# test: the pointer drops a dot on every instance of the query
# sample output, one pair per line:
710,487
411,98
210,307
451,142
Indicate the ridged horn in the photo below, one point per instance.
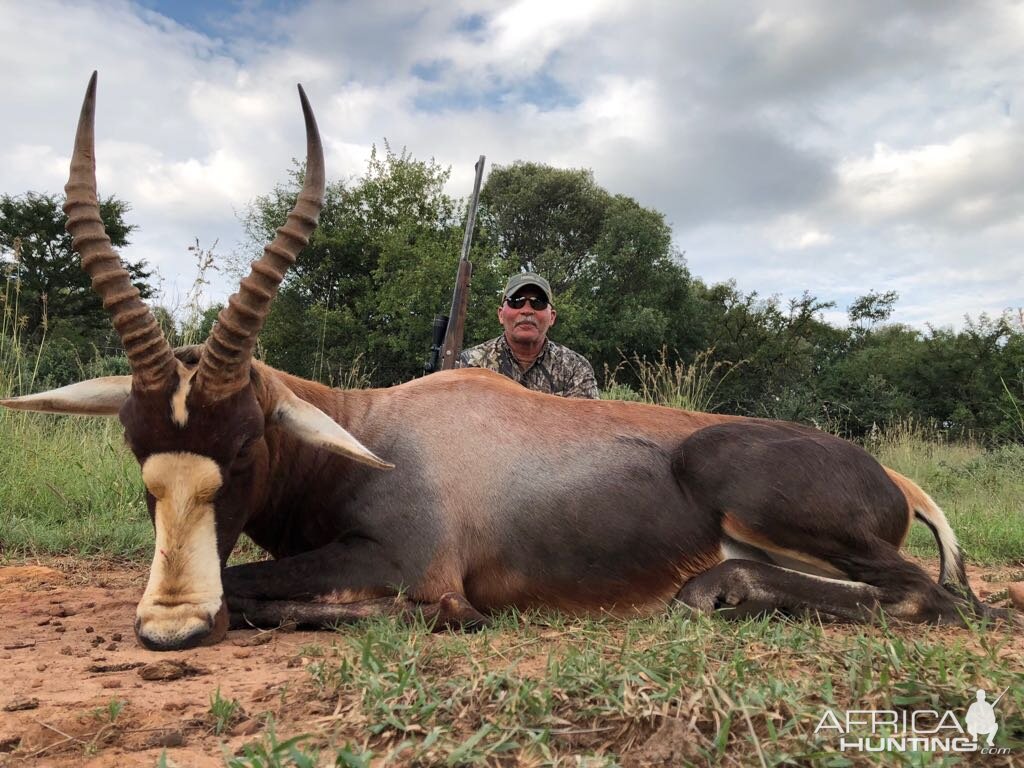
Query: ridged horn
227,355
151,357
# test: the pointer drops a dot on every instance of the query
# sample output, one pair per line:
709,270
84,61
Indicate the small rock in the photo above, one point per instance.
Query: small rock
241,653
260,638
89,630
111,647
66,650
19,645
60,628
40,667
163,670
166,739
295,661
9,743
43,623
18,705
89,605
246,727
170,670
60,610
116,637
110,684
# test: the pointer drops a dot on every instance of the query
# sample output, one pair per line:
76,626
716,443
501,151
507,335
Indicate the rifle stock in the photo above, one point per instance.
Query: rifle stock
448,331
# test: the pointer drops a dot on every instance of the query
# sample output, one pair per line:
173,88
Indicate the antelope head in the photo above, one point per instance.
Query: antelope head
197,423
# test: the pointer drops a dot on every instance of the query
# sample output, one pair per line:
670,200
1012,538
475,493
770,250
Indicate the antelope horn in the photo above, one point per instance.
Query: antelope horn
150,355
227,355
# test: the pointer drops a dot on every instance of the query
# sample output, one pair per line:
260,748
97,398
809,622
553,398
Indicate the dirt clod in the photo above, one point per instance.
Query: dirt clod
247,727
170,670
124,667
166,739
21,704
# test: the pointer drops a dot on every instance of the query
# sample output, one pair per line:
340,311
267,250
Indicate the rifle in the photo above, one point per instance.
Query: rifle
446,344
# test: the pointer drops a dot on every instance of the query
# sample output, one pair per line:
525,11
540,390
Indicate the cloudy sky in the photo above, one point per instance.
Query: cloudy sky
830,147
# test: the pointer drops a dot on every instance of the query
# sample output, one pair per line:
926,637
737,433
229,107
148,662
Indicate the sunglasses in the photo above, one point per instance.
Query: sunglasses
537,302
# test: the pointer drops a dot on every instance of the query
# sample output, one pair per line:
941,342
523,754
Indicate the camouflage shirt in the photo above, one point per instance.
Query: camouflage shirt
557,370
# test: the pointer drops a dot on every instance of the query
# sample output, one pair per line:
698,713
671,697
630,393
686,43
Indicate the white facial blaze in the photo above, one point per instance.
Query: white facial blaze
184,590
179,411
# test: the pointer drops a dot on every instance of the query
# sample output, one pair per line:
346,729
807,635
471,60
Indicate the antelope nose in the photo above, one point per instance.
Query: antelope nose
156,633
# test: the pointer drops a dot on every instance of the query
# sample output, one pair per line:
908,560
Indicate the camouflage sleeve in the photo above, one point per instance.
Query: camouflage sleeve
481,356
582,382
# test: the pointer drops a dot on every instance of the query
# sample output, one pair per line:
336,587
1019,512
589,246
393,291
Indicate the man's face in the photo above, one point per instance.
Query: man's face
526,325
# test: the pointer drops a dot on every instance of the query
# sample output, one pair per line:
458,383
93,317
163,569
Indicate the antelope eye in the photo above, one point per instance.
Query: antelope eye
245,453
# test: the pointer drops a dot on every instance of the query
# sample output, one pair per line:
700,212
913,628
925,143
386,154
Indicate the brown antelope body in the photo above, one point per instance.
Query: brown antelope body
491,495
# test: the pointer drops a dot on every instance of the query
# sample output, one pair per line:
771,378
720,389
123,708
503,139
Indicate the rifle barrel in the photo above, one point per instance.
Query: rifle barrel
460,296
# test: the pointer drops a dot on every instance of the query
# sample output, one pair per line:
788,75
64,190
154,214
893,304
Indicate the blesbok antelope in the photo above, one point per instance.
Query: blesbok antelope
521,499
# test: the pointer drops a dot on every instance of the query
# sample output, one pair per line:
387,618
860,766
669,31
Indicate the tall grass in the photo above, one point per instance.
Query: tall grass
69,485
11,325
980,489
690,386
66,484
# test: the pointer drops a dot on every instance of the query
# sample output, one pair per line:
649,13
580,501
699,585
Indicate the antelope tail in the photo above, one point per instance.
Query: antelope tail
952,572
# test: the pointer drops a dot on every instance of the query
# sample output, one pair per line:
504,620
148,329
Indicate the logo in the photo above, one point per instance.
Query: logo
926,730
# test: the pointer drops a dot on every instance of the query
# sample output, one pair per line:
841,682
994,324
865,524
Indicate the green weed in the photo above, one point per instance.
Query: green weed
223,712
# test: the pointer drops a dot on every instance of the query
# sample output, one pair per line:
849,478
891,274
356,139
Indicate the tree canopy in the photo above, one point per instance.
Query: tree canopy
47,294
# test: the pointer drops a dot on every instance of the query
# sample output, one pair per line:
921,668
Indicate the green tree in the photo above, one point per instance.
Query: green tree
55,292
872,308
632,297
379,266
622,289
544,219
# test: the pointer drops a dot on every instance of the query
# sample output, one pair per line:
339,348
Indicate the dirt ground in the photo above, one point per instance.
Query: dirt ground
68,657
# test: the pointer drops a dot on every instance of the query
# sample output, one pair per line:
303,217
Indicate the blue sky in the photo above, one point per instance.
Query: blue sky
833,148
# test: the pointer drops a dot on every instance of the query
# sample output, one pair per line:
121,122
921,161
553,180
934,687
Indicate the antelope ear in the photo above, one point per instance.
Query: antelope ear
308,423
95,397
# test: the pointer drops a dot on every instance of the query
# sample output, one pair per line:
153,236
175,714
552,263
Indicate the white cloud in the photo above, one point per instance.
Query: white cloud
836,148
974,180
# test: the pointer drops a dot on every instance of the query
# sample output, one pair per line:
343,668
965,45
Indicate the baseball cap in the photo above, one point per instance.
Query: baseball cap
519,281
